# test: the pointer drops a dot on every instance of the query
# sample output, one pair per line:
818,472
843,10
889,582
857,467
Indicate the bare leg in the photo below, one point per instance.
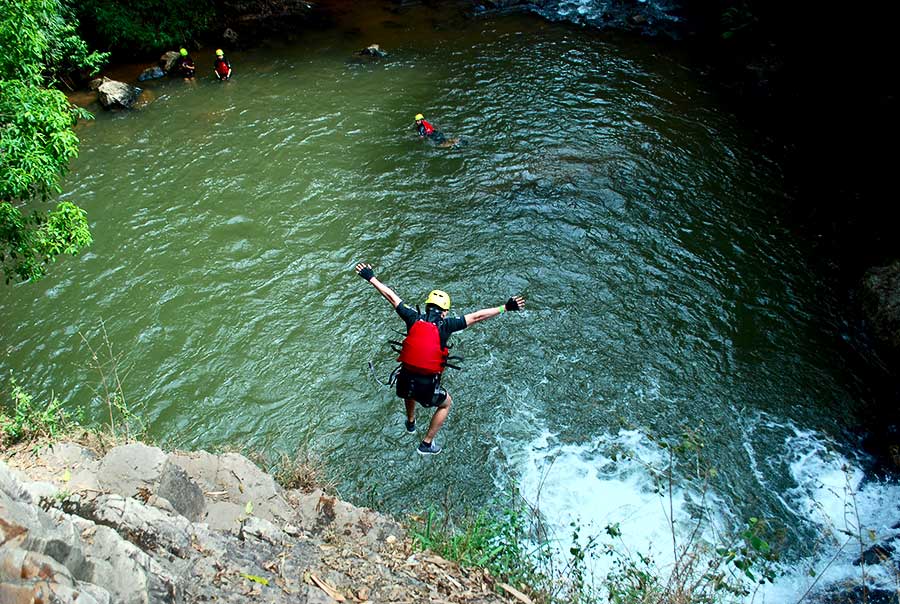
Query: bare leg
437,420
410,409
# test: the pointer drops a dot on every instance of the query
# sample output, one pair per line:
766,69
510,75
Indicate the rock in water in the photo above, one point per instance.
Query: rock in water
113,94
151,73
167,61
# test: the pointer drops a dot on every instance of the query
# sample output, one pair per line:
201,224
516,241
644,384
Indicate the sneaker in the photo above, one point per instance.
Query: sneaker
428,448
411,426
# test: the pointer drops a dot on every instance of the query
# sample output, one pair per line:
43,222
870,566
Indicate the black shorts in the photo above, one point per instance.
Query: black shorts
426,389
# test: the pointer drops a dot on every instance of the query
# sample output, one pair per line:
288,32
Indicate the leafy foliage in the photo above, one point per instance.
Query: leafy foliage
36,139
27,419
498,543
146,26
38,44
39,41
29,242
66,51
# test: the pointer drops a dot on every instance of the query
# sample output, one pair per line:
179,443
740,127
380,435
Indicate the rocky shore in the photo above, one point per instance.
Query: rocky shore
139,525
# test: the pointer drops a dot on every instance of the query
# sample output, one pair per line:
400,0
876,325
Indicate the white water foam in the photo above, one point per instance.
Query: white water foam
609,480
849,513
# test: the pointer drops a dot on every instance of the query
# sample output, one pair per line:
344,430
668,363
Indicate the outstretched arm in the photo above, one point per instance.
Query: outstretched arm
514,303
365,271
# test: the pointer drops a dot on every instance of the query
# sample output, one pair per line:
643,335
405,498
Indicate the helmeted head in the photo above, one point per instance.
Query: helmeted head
419,117
219,52
438,299
183,52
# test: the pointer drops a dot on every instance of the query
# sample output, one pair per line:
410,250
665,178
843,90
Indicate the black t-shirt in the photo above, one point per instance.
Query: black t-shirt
445,327
186,65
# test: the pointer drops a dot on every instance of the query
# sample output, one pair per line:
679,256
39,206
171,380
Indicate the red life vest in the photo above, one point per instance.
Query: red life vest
422,351
222,67
429,129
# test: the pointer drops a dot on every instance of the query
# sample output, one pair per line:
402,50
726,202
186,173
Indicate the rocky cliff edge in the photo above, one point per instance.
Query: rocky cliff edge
139,525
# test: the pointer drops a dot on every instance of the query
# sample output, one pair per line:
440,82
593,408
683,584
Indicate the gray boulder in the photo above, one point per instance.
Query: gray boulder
231,481
183,493
114,94
129,469
167,61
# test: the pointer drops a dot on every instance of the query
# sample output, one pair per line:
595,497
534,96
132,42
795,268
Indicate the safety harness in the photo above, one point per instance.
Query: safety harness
421,352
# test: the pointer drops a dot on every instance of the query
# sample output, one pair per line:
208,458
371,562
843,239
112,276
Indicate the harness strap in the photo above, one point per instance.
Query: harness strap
392,378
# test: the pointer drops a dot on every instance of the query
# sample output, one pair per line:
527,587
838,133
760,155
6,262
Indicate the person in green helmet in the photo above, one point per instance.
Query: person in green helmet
222,66
424,352
184,66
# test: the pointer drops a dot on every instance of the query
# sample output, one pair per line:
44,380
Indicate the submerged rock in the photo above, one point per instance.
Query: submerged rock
151,73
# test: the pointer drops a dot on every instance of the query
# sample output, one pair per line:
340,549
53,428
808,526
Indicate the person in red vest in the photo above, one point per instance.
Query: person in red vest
423,127
424,352
222,66
426,131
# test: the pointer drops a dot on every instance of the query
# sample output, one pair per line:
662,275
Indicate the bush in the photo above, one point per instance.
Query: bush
37,46
28,420
499,543
139,27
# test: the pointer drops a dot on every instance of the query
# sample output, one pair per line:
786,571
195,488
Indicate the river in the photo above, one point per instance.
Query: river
598,176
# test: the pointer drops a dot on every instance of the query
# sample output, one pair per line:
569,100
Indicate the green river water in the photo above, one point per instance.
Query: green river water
599,177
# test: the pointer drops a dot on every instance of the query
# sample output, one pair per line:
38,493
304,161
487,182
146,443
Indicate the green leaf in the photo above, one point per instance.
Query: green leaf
255,579
759,545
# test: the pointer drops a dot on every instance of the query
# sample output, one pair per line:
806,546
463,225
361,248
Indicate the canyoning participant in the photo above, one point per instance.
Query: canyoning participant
372,50
426,131
424,352
424,128
222,66
184,65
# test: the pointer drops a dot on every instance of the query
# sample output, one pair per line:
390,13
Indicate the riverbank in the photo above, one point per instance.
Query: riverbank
138,524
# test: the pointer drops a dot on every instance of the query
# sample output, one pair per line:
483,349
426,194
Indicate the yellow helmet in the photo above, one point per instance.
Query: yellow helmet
419,116
219,52
183,52
439,299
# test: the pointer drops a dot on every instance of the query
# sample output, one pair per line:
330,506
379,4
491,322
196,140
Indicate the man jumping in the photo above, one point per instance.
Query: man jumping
424,352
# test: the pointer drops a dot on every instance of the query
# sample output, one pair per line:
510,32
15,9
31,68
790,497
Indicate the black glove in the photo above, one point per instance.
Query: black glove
511,304
367,273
